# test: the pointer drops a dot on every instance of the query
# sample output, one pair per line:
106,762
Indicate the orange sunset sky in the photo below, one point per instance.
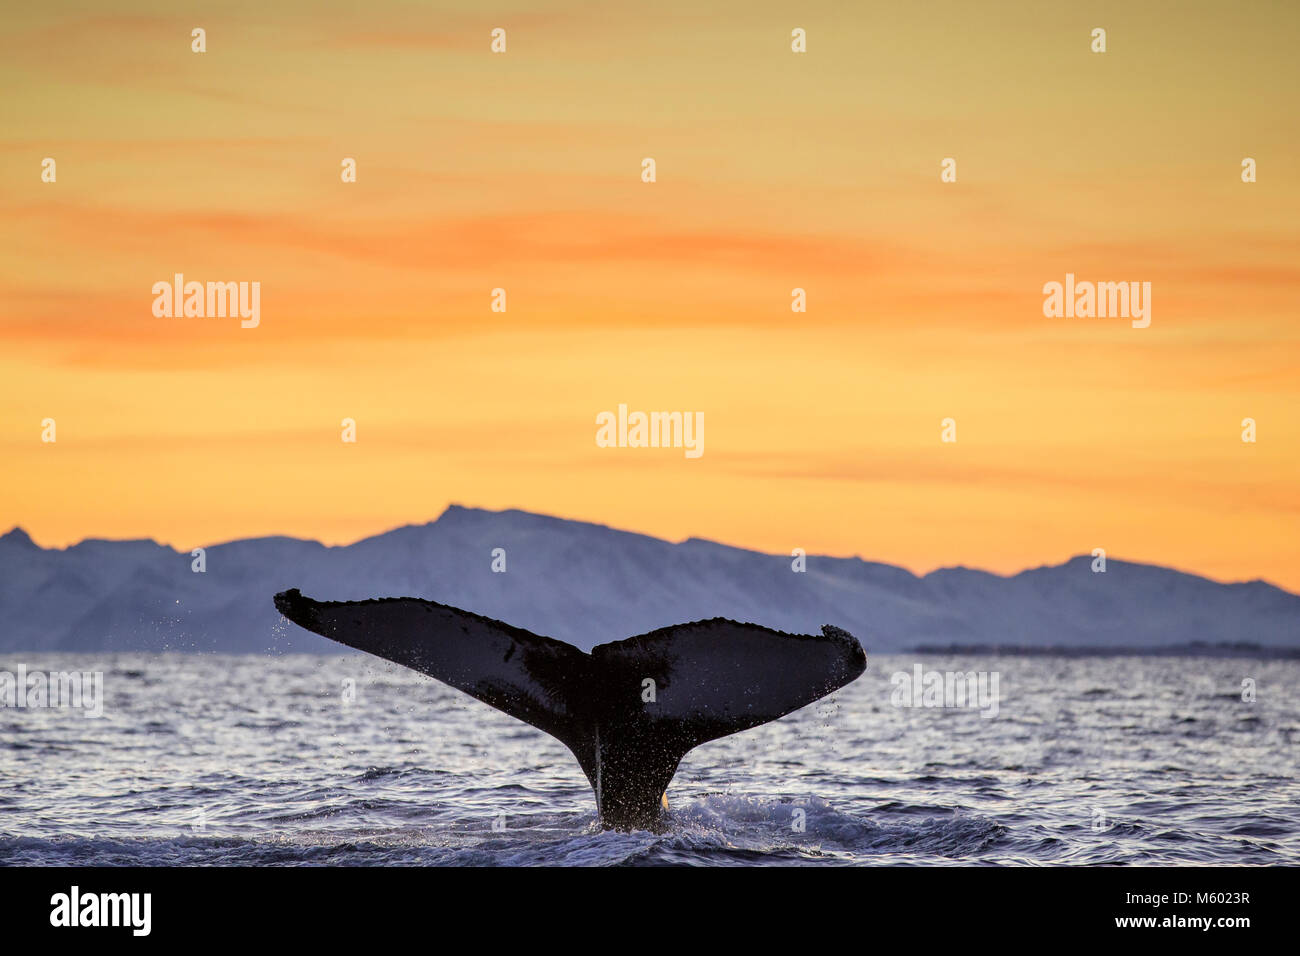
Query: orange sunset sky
775,170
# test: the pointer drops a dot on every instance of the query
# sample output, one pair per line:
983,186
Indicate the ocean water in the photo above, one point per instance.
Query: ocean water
210,760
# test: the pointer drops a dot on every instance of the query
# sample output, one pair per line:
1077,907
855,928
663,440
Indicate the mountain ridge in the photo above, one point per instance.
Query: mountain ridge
589,583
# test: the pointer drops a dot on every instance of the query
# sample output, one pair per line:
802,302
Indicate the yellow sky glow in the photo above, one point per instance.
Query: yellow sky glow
775,170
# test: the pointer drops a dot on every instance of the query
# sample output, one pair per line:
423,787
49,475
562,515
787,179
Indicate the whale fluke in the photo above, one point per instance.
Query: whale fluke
629,710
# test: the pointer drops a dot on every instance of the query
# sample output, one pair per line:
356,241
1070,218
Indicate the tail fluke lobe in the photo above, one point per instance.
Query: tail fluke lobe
630,710
668,691
716,677
530,677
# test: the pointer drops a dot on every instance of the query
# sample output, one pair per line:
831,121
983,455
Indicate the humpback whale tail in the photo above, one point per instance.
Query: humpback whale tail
629,710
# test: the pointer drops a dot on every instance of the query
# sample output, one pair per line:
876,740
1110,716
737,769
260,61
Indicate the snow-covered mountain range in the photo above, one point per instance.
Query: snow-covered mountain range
588,583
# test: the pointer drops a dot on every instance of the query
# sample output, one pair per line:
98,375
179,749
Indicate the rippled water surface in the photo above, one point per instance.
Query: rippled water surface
250,760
